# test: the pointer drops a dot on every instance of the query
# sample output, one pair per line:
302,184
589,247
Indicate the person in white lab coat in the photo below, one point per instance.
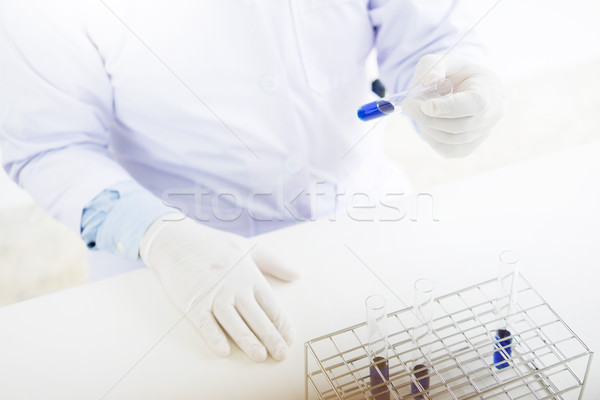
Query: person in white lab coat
173,131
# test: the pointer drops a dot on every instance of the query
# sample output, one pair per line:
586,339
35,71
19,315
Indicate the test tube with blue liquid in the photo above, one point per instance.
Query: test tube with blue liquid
505,307
422,335
390,104
377,347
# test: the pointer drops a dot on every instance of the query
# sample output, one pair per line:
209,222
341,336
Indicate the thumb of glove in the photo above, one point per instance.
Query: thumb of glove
430,69
269,264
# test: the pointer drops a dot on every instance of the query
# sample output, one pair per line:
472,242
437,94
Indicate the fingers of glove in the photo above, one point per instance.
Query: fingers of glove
453,138
268,263
453,150
471,97
430,69
459,104
210,331
412,108
269,303
262,327
241,334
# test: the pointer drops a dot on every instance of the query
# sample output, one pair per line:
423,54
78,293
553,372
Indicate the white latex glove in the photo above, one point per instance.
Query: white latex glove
212,277
456,124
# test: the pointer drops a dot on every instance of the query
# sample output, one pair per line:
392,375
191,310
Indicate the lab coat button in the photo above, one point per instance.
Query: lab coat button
120,247
292,165
269,83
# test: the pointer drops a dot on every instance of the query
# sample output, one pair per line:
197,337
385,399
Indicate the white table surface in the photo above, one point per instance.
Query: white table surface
119,338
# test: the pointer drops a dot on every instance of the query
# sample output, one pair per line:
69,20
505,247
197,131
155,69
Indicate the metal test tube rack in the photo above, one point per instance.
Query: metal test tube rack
549,361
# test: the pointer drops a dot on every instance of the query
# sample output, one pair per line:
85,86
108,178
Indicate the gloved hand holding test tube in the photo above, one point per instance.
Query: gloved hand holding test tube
393,103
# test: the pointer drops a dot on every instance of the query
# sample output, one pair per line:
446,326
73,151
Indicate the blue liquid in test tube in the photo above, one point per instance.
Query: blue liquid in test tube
388,105
504,347
506,307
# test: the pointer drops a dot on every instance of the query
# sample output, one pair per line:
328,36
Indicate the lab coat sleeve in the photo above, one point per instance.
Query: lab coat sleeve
406,30
56,104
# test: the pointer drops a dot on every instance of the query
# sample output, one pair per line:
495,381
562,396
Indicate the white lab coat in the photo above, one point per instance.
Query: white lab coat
230,97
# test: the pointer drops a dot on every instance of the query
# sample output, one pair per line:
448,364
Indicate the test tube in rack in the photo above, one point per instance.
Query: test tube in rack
422,337
505,307
377,347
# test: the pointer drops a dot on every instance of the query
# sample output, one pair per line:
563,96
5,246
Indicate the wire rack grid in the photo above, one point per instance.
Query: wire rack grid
548,359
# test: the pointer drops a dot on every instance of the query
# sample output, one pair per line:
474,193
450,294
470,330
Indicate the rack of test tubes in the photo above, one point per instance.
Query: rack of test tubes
468,354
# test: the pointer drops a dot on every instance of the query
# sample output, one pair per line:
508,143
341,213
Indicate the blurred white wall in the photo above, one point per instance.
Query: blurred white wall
527,37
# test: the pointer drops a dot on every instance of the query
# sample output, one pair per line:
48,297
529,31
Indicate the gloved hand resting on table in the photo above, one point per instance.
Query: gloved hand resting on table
215,278
456,124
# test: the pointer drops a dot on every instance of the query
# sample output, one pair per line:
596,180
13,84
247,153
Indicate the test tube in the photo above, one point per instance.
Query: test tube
377,347
422,337
506,300
388,105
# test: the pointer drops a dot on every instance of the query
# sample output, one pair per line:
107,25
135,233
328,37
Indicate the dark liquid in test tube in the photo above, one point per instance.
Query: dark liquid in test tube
422,374
379,388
